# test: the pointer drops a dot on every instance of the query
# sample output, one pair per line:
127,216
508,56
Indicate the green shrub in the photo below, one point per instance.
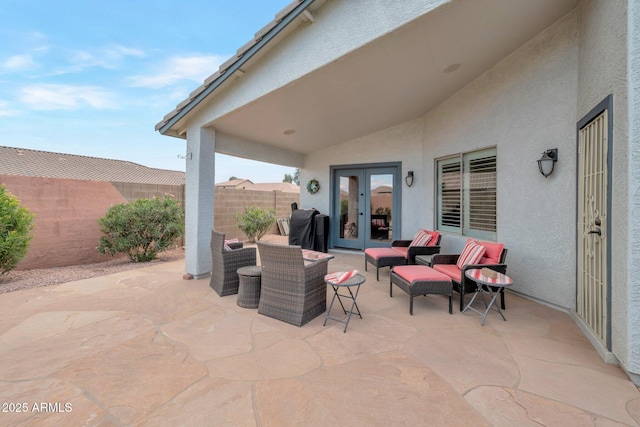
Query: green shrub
142,228
255,222
16,226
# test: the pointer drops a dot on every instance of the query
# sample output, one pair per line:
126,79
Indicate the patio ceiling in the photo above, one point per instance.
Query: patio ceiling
396,78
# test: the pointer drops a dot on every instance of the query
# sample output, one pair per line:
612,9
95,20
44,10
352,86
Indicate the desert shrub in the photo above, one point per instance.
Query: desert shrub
255,222
16,226
141,229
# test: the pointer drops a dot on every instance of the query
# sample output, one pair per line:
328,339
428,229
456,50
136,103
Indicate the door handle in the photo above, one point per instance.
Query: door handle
596,231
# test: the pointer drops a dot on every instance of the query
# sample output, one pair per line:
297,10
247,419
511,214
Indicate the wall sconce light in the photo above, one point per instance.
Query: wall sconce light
547,162
187,157
409,178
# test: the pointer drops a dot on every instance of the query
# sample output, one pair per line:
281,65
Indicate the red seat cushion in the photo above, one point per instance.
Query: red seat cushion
377,253
420,273
404,251
450,270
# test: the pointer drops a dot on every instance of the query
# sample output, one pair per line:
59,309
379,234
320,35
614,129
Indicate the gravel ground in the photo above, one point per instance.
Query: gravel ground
17,280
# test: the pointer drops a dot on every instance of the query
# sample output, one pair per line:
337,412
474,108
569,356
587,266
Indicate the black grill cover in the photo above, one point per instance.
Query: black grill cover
321,244
302,228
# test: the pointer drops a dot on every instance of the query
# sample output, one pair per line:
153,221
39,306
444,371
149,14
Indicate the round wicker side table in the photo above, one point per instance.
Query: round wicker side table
249,286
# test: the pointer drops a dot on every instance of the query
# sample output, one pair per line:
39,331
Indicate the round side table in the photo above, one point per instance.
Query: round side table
493,285
249,286
355,281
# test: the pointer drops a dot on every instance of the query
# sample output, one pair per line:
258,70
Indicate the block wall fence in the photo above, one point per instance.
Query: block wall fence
229,202
66,230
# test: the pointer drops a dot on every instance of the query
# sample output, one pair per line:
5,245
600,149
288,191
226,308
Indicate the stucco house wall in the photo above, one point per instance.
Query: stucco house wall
527,103
633,193
523,105
603,71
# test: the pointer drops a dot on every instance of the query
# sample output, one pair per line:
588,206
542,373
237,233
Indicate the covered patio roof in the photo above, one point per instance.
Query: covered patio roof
386,81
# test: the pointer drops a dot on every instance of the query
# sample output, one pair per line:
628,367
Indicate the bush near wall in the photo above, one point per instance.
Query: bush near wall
66,230
229,202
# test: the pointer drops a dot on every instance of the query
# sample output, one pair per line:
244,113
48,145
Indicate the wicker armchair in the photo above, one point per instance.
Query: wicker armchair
291,291
494,259
401,252
224,276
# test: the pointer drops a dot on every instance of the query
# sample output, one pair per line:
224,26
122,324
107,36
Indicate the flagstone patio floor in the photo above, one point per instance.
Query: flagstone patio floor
145,347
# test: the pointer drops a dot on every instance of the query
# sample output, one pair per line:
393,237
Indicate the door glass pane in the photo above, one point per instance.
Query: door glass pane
381,198
349,207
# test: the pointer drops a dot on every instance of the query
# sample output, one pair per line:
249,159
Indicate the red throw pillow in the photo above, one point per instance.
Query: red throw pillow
471,254
421,239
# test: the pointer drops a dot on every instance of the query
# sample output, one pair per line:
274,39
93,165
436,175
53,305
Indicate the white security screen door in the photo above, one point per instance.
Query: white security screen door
592,303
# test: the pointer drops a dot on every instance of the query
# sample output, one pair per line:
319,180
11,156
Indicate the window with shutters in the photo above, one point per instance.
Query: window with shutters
466,194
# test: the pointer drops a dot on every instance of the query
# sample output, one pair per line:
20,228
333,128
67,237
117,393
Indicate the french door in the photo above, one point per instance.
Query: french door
365,205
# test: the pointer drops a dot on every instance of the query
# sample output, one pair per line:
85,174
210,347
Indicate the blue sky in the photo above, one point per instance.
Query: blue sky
93,77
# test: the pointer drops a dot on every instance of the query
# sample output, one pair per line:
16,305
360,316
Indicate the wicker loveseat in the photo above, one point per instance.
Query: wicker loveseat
292,291
494,258
226,262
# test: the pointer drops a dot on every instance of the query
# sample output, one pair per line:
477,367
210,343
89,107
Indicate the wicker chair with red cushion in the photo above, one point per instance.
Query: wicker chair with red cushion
403,252
493,257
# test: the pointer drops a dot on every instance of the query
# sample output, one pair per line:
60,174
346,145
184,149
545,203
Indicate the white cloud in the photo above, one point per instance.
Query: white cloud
193,68
5,111
18,63
110,57
66,97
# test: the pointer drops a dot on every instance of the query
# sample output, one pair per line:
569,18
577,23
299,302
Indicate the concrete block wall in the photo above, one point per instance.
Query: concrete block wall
229,202
133,192
66,230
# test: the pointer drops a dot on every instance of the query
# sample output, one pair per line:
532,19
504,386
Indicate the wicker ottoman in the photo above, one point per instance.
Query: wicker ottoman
382,257
249,286
420,280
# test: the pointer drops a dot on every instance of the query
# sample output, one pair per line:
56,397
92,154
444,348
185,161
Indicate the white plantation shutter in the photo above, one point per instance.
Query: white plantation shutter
467,194
449,194
480,194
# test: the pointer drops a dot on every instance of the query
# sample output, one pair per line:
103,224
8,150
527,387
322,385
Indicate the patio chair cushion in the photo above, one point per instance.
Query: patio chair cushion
492,253
377,253
450,270
402,250
471,254
432,241
421,238
421,273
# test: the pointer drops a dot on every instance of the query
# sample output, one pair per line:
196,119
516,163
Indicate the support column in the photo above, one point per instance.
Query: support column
199,189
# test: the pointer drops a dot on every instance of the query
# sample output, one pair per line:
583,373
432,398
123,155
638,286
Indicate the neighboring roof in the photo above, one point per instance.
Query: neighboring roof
245,53
285,187
245,184
234,183
46,164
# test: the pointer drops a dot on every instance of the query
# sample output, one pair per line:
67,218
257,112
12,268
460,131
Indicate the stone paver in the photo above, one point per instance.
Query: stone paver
146,347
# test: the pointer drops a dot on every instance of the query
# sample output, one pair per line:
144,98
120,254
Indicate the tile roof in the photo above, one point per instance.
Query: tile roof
25,162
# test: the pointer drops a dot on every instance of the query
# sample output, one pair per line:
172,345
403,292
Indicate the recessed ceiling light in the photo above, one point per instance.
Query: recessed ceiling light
451,68
289,131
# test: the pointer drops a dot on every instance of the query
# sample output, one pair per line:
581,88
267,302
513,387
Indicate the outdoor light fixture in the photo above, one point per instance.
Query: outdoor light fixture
409,178
547,162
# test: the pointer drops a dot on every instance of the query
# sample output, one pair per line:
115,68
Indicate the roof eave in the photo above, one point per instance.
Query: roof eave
223,74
